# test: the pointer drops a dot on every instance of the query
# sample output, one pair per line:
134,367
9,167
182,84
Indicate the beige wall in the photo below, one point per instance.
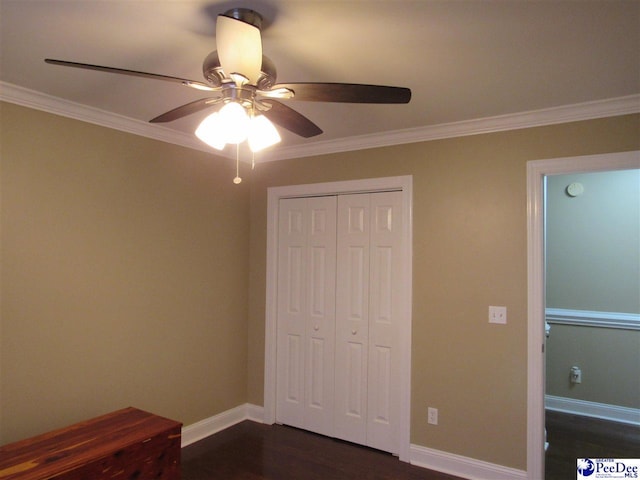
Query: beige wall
130,269
470,252
124,276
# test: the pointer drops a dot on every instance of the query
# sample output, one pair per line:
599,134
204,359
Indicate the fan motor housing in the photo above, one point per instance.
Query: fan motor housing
245,15
212,71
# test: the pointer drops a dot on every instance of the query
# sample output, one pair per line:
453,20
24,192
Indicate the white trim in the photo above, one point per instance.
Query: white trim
535,313
588,318
403,183
463,466
513,121
212,425
536,172
46,103
255,413
610,107
614,413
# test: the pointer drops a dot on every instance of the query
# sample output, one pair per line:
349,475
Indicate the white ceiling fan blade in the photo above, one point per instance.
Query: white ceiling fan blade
239,48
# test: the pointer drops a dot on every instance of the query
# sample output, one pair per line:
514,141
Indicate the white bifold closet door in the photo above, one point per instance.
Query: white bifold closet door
337,358
367,398
306,313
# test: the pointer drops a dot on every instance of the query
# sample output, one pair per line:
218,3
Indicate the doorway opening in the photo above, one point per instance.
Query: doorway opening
537,171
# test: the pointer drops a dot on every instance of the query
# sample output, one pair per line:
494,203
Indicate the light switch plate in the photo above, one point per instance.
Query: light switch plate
497,314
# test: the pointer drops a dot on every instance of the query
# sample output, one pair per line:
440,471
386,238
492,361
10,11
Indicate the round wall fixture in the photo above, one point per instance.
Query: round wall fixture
575,189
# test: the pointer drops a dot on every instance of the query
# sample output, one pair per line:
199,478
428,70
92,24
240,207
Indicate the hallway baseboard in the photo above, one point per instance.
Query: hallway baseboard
603,411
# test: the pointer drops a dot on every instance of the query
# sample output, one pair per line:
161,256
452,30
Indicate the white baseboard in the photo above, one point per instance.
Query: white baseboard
603,411
209,426
460,466
255,413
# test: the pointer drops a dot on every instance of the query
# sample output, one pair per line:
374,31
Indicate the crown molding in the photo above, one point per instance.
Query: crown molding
535,118
47,103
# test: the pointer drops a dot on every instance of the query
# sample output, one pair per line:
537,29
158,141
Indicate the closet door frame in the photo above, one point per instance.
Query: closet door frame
274,194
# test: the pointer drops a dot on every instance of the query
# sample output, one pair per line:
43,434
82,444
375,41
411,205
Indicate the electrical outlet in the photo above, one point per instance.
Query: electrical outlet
432,416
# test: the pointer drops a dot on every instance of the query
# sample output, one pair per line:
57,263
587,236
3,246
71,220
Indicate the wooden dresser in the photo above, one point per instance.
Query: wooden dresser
123,445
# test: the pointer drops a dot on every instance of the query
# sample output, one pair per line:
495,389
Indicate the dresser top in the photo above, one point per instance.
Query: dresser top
66,448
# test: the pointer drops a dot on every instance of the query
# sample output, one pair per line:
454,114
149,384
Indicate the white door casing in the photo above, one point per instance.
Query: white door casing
537,170
402,287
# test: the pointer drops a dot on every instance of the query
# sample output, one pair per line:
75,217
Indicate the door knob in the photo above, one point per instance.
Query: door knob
353,332
316,328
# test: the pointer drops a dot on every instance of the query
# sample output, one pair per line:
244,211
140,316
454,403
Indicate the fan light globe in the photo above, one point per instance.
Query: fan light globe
234,123
262,133
210,131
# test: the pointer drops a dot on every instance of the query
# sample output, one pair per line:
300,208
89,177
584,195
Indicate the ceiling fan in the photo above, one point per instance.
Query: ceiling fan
239,73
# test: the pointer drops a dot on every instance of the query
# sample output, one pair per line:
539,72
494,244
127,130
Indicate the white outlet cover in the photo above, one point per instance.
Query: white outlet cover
498,315
432,416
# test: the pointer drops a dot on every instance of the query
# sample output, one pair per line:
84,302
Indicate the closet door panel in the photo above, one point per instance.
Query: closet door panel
384,368
292,245
320,317
306,313
352,318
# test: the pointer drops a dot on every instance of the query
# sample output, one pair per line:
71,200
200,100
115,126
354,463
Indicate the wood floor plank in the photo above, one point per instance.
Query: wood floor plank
252,451
573,436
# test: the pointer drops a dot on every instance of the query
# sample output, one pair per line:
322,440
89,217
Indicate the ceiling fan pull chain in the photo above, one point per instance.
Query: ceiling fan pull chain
253,114
237,180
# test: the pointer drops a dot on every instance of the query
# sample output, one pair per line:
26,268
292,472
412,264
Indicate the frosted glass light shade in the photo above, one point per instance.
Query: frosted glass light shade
232,125
234,122
239,47
210,131
262,133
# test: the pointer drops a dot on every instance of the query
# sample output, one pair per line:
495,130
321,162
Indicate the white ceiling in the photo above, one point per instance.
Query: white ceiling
463,60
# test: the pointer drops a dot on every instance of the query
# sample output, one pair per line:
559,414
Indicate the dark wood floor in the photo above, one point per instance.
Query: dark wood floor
571,437
252,451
